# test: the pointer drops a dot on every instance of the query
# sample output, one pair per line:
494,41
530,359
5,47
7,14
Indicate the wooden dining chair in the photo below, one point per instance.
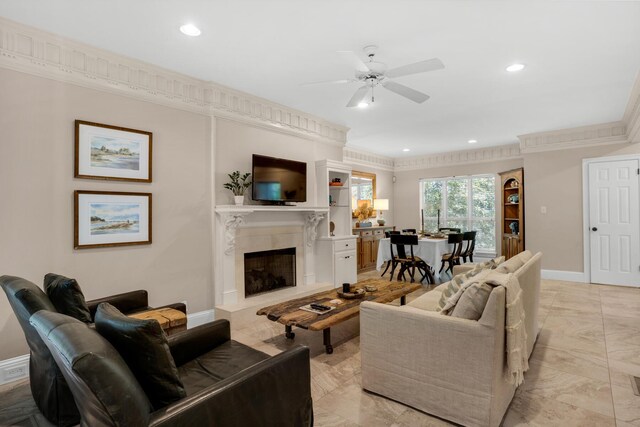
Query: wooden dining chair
470,238
409,231
452,258
408,263
387,234
452,229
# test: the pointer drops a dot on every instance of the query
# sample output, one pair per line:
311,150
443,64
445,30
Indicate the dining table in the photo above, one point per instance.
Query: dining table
429,249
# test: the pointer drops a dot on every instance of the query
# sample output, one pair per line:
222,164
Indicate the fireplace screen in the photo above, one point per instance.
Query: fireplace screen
267,271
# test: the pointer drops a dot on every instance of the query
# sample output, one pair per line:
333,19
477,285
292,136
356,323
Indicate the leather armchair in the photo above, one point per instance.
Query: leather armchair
48,386
227,383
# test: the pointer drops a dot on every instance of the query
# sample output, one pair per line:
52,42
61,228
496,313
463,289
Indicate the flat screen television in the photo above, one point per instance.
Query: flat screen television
278,180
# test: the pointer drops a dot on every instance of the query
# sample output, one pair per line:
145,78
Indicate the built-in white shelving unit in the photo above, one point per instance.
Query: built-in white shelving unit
336,253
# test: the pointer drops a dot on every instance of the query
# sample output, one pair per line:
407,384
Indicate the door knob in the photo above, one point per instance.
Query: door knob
594,228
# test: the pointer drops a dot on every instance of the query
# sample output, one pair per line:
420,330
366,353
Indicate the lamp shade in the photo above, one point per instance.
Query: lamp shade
381,204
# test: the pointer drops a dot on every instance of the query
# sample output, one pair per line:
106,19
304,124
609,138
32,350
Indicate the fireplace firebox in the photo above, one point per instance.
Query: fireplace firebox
267,271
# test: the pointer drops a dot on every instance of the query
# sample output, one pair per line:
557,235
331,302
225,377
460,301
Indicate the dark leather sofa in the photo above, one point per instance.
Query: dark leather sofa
48,386
227,383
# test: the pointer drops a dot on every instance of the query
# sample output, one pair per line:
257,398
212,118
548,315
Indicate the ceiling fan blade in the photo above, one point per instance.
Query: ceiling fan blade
405,91
328,82
359,96
415,68
354,60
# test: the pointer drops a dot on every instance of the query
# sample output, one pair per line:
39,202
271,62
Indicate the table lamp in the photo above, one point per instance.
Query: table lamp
381,205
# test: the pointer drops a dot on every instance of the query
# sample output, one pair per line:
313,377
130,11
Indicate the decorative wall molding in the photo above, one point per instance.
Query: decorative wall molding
367,159
200,318
14,369
580,137
632,113
29,50
311,226
479,155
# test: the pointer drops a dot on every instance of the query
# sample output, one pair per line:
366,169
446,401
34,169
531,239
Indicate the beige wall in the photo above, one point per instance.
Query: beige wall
36,197
407,187
554,179
236,142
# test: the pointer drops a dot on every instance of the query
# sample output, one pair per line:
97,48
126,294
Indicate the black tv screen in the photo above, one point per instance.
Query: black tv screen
279,180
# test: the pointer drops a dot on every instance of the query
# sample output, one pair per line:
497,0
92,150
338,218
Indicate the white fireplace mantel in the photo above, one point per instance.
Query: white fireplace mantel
232,216
239,227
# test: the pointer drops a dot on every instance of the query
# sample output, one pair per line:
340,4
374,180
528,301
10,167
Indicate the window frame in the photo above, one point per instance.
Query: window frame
469,219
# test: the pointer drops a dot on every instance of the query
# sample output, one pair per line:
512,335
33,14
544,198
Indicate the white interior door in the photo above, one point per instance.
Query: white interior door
614,219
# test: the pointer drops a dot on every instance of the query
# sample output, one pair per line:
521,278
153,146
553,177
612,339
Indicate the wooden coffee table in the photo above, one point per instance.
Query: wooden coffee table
289,314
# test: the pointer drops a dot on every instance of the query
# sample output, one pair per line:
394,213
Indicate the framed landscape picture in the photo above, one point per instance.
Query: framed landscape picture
103,219
111,152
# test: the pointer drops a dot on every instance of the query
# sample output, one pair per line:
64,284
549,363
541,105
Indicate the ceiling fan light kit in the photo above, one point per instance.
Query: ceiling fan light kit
374,73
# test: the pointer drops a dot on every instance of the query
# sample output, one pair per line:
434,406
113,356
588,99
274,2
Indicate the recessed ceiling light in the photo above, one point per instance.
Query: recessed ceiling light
406,149
515,67
472,141
190,30
363,105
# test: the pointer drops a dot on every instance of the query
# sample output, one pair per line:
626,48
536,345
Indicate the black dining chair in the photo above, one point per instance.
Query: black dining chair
409,231
408,262
451,229
452,258
470,238
388,234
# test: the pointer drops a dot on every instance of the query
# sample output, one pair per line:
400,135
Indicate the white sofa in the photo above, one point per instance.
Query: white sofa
446,366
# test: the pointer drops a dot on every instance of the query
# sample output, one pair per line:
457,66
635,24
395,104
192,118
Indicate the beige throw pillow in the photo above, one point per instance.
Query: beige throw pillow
455,284
472,302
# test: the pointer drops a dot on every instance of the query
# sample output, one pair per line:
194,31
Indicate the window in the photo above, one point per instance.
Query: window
468,203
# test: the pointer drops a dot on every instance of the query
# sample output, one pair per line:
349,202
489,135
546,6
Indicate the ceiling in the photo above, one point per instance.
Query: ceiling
582,58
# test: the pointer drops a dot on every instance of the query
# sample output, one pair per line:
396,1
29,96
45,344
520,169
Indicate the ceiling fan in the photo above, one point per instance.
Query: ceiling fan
374,73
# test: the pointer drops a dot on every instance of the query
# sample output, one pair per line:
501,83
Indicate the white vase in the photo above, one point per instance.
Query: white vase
239,200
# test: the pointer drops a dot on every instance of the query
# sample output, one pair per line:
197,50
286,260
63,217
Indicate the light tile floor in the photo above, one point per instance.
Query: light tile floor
588,346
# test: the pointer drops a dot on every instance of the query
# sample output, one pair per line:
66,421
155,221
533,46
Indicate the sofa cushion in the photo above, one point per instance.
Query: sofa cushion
454,285
94,370
143,345
67,297
223,361
428,301
472,302
515,262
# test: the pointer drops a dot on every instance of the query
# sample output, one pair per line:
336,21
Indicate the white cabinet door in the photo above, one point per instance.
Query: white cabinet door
345,268
614,222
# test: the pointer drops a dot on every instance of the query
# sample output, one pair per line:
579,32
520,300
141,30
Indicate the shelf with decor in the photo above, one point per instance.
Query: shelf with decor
336,246
512,216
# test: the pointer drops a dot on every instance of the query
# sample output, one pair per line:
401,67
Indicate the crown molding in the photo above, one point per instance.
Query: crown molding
367,159
580,137
632,113
479,155
33,51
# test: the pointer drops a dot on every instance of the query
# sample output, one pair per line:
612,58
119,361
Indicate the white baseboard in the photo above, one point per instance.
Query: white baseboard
200,318
569,276
14,369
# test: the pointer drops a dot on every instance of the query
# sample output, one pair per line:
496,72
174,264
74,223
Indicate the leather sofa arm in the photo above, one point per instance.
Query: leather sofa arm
180,306
274,392
126,302
194,342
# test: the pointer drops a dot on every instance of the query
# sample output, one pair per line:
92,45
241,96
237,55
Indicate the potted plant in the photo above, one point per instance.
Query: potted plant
239,183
